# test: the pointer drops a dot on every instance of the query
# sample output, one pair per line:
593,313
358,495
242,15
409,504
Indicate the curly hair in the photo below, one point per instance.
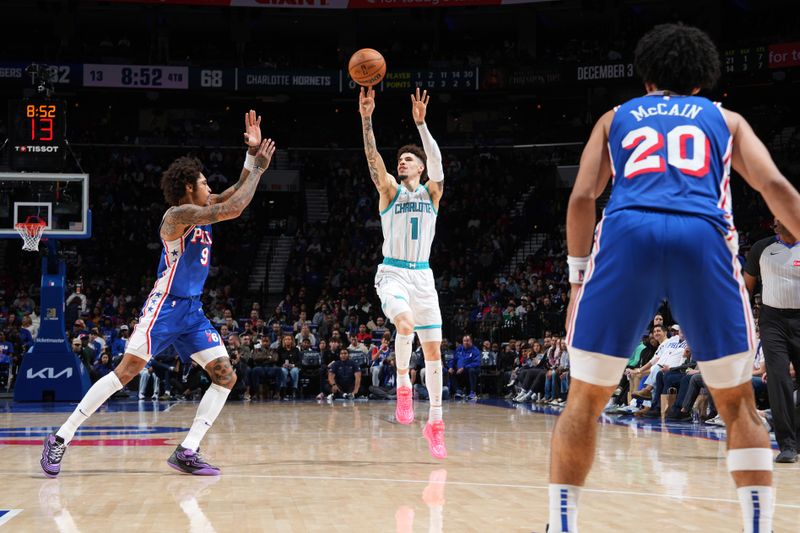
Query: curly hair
417,151
182,172
677,58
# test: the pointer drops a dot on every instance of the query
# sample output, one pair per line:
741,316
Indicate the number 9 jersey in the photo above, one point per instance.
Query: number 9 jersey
671,153
173,313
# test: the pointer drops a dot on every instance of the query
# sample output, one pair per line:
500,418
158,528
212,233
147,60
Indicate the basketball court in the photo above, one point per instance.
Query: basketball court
348,466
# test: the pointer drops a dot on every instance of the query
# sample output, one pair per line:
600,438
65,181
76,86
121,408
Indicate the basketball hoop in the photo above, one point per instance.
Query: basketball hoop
31,231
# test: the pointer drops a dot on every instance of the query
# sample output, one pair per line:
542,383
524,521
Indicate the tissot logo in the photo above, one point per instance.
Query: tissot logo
47,149
49,373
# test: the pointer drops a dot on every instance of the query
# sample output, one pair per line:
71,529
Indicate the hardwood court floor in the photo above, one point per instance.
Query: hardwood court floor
349,467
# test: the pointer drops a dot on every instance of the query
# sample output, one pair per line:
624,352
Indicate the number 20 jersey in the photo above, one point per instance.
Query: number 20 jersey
673,154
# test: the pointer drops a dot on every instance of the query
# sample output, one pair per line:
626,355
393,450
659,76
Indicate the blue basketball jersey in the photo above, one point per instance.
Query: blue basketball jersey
173,313
671,153
183,268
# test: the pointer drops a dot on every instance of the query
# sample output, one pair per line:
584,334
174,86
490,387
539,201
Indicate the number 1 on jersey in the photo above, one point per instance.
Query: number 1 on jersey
414,228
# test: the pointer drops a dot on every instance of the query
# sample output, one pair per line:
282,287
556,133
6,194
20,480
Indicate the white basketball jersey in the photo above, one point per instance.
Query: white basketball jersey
409,224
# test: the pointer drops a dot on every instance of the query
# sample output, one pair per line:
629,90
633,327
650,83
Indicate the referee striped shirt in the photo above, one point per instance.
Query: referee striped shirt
778,265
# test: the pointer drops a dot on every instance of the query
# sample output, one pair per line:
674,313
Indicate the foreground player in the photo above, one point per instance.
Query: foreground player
404,281
173,313
669,154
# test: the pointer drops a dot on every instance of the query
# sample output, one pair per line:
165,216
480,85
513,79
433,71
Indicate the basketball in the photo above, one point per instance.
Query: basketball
367,67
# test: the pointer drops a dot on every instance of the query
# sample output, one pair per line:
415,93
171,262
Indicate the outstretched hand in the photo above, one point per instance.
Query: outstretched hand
366,102
419,106
252,129
264,154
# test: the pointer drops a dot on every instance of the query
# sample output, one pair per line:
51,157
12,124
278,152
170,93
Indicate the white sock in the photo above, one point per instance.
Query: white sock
207,412
402,356
433,380
564,508
757,507
101,391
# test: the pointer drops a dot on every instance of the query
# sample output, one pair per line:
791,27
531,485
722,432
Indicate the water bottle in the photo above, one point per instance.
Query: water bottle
695,416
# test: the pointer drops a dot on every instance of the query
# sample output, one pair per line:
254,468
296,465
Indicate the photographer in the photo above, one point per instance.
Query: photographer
344,377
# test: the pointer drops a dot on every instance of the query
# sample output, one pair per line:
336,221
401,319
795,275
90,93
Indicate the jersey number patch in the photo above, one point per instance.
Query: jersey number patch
414,228
681,140
204,256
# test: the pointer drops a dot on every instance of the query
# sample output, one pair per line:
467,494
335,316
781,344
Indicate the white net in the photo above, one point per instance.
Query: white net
31,232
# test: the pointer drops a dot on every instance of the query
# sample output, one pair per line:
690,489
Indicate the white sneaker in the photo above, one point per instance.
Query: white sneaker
716,421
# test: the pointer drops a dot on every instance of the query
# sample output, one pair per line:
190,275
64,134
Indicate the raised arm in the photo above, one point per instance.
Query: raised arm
383,181
179,217
252,138
433,157
752,160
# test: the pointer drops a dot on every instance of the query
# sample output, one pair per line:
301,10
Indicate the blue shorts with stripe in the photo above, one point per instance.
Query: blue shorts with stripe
179,322
642,257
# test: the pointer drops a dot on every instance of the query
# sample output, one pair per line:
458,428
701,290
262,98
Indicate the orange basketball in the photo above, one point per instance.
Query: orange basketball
367,67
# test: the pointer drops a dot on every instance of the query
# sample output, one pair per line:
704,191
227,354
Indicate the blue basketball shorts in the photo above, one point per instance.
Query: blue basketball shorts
640,258
171,320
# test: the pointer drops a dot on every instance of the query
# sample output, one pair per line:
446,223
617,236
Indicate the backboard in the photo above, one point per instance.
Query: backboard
61,200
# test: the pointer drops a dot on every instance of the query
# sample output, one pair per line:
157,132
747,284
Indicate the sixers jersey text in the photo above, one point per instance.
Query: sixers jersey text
183,267
671,153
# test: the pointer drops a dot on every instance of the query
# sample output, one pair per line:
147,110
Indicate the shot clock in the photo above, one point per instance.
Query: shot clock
36,134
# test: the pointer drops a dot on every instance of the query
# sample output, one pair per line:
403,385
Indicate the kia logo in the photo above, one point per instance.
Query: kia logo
49,373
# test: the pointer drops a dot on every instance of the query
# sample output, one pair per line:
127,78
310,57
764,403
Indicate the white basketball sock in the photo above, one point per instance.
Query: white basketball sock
101,391
433,380
564,508
402,356
757,507
207,412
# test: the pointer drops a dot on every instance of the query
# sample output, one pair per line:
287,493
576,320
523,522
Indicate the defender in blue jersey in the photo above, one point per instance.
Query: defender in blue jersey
669,155
173,314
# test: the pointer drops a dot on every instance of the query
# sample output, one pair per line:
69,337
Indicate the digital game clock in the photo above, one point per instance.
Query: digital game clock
36,134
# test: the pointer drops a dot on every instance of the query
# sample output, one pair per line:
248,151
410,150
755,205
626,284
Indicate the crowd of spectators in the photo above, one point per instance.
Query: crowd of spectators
329,296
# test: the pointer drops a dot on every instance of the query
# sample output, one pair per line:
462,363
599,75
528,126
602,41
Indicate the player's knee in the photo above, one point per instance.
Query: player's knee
222,372
129,368
404,326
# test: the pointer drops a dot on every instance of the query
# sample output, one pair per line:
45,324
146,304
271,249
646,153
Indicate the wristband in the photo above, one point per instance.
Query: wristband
577,268
249,161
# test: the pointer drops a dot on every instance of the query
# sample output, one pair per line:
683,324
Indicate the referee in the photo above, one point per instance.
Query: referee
776,260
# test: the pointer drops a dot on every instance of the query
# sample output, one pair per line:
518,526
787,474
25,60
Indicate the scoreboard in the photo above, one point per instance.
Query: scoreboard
36,134
745,60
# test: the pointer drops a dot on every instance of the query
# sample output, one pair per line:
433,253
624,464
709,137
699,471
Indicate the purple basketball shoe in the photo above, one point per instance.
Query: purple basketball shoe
191,462
52,453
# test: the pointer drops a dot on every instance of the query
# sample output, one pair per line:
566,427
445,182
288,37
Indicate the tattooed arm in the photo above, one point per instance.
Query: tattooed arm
179,217
383,181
